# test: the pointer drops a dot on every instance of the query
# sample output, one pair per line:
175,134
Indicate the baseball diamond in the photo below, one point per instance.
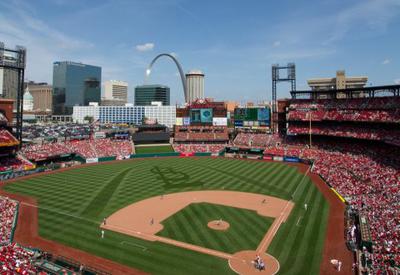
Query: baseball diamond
73,205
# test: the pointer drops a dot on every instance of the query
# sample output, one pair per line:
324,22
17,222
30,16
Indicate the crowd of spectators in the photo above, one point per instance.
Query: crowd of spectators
369,178
7,139
8,209
201,133
391,136
13,259
88,148
13,163
56,131
258,140
378,109
16,260
198,147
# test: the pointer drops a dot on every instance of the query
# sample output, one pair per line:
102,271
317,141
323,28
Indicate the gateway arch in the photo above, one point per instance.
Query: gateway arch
183,78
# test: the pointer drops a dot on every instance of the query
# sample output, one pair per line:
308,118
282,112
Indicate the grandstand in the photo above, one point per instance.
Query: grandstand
355,149
201,127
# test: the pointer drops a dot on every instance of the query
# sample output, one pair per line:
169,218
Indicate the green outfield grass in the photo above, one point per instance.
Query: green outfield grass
73,203
153,149
246,230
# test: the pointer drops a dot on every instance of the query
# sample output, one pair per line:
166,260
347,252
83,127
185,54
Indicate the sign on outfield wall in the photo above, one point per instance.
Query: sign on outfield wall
179,121
186,121
291,159
277,158
92,160
220,121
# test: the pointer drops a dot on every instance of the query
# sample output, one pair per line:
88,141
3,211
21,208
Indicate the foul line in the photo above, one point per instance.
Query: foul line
297,223
134,244
297,188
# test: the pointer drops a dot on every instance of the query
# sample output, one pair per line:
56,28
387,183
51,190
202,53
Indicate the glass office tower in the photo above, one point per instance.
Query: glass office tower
74,84
146,94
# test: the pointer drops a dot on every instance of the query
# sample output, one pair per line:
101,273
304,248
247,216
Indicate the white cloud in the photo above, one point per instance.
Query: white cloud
276,43
145,47
386,61
397,81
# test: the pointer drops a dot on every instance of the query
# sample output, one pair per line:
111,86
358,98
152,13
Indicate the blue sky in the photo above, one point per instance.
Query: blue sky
233,42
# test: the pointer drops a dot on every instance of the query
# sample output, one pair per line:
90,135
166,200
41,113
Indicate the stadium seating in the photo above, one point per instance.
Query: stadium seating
369,178
13,163
379,109
7,139
8,210
354,131
90,148
198,148
259,140
201,134
16,260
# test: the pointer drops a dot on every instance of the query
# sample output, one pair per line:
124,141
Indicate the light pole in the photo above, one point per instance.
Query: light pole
312,108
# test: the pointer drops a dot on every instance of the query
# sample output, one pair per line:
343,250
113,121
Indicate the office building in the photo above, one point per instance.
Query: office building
9,84
146,94
339,82
74,84
195,85
42,94
128,114
114,89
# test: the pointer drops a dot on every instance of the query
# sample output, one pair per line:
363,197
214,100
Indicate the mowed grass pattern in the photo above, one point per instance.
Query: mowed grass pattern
73,203
246,230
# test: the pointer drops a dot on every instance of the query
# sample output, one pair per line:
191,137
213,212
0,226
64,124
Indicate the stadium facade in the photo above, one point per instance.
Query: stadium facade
146,94
128,114
74,84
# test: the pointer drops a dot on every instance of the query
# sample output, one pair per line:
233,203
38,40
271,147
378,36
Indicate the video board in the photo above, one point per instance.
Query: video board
201,115
252,117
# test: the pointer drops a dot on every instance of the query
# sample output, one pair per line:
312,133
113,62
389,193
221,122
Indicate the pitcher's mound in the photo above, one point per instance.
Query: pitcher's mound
218,225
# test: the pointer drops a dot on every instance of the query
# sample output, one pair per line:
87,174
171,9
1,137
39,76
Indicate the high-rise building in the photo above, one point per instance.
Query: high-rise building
340,82
74,84
114,89
42,94
195,85
146,94
9,84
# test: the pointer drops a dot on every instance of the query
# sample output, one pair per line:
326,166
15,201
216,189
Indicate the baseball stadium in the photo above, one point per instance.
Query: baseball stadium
310,188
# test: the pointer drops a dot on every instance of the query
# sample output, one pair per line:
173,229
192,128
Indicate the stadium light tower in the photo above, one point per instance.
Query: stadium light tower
15,59
290,76
178,65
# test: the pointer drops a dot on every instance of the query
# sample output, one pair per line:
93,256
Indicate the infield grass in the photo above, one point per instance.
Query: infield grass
73,203
182,227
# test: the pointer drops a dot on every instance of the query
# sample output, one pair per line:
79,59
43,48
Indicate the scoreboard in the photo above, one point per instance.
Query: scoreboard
252,117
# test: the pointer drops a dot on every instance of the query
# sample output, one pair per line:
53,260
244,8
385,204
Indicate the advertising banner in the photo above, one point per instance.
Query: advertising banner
267,157
291,159
277,158
179,121
186,121
91,160
220,121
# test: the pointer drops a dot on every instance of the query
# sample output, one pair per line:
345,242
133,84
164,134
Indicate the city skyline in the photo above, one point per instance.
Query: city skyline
234,44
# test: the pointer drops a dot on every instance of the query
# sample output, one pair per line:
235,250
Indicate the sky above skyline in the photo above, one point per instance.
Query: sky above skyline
233,42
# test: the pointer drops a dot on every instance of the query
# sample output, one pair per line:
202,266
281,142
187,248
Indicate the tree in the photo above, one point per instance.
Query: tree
88,118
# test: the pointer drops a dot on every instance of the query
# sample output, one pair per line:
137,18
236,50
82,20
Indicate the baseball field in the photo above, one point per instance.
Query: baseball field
73,203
